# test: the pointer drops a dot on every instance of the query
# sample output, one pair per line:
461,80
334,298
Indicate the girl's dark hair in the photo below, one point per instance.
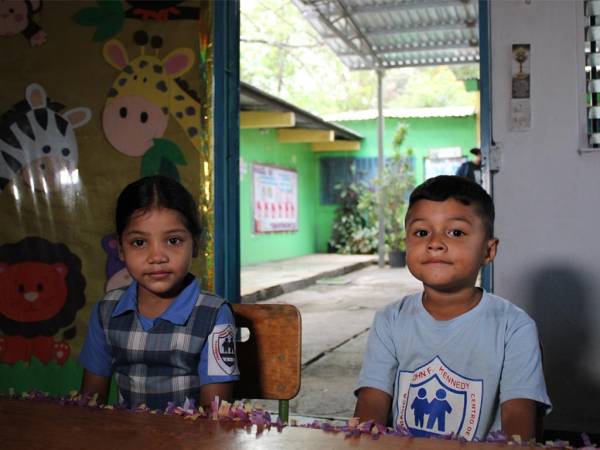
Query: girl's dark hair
157,191
467,192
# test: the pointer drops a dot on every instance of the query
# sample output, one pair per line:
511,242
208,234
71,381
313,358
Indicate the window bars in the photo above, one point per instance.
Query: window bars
592,69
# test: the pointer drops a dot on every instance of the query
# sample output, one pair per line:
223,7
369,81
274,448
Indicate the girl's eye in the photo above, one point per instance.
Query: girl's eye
421,233
456,233
175,241
137,242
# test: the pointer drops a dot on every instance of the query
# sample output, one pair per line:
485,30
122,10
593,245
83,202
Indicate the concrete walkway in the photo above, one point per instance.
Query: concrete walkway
337,312
268,280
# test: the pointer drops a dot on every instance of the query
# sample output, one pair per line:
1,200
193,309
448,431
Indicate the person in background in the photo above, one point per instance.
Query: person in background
452,359
162,337
471,169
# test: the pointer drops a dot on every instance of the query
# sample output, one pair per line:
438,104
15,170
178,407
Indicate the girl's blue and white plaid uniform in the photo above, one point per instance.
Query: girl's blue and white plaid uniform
160,360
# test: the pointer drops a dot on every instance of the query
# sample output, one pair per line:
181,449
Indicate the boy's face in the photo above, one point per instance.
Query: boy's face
446,244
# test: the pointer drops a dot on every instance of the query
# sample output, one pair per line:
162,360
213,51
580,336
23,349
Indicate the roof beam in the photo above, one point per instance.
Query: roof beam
407,6
418,62
359,31
401,29
304,135
267,119
424,46
448,26
336,146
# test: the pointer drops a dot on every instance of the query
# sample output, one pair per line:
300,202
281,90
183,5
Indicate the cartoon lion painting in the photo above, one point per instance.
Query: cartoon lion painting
41,290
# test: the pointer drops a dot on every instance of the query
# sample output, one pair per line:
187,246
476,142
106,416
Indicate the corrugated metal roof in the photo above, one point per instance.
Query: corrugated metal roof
253,99
404,113
384,34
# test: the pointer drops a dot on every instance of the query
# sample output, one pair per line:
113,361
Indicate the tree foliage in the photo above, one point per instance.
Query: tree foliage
283,55
354,228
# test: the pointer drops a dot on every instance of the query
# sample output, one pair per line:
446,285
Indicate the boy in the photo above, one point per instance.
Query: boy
452,359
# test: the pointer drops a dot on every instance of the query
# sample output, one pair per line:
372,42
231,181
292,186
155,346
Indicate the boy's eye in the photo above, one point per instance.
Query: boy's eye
456,233
421,233
137,242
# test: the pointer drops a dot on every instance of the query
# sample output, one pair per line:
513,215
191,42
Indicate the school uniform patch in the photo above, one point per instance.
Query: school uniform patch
433,400
222,358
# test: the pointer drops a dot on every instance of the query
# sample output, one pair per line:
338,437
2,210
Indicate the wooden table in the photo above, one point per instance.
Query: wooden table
36,424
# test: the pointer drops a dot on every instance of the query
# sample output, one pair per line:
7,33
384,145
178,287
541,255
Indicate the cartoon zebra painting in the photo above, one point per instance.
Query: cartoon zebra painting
38,143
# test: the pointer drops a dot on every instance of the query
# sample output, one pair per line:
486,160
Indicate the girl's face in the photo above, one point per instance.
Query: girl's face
157,248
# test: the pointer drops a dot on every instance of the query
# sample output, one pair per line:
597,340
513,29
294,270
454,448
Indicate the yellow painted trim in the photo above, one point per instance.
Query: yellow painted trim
298,135
336,146
478,118
267,119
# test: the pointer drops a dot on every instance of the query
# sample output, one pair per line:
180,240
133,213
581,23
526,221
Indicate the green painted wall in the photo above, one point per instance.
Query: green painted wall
261,146
423,134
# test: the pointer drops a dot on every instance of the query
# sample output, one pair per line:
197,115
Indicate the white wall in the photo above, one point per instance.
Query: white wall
548,204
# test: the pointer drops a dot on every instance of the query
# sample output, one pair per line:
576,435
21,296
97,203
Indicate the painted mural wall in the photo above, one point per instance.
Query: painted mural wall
93,95
424,134
315,219
546,196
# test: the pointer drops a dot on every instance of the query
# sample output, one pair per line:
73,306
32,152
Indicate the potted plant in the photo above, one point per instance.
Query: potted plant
396,183
355,223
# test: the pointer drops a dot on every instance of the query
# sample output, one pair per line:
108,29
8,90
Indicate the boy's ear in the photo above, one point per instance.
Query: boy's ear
490,251
195,248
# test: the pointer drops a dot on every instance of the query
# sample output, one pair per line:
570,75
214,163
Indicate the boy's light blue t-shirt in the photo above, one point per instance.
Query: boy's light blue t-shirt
452,376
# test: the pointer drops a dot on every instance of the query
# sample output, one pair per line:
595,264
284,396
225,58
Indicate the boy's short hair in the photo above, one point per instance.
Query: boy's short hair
461,189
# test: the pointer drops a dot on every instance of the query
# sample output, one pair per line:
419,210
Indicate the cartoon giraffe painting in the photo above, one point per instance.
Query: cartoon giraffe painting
145,94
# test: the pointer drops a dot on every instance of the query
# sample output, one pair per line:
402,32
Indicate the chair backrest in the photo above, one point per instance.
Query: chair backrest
269,361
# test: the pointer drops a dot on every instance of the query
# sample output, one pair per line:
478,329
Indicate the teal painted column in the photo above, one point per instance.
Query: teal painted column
226,41
487,274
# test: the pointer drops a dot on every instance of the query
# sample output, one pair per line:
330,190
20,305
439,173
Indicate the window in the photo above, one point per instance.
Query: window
336,171
592,72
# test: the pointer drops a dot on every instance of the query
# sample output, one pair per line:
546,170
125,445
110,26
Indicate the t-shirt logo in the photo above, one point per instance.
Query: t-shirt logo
433,400
222,358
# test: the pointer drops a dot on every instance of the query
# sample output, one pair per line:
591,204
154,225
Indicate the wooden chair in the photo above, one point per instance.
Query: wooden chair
269,360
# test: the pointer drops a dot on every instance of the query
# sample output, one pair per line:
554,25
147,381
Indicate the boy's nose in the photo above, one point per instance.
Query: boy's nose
435,244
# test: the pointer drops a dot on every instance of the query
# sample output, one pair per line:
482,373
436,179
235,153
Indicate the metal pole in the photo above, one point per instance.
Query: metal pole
485,86
380,128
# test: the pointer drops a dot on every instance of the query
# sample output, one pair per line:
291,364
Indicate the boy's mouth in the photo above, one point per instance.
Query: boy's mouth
436,261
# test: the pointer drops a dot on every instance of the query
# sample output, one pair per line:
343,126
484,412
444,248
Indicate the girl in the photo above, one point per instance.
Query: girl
162,337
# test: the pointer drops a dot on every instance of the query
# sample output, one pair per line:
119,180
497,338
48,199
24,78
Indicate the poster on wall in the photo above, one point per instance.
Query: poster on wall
520,102
442,161
275,203
442,166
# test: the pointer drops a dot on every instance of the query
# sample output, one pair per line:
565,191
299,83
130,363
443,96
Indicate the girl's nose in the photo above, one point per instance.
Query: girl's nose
157,254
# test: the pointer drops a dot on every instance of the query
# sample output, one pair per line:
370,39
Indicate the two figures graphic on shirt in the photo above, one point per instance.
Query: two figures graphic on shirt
227,346
435,409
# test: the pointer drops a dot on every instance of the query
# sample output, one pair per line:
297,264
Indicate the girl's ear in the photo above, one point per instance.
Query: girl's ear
195,248
120,249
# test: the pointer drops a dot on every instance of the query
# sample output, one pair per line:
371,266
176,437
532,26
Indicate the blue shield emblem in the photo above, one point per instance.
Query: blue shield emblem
434,400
